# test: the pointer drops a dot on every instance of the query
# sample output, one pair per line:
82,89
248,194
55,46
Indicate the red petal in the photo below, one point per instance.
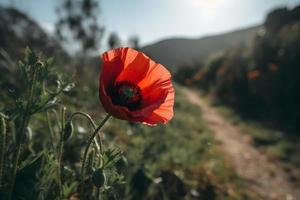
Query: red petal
165,111
111,68
136,66
157,76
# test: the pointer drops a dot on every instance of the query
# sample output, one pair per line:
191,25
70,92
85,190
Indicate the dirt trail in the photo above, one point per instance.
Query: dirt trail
265,178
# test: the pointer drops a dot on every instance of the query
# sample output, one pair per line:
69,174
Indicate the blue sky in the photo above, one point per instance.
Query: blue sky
153,20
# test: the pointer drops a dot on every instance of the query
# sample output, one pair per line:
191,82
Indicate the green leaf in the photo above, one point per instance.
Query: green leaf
111,156
30,57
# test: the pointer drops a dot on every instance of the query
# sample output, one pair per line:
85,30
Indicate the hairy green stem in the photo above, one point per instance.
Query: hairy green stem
2,147
48,120
86,152
50,130
60,150
56,116
89,118
21,132
98,197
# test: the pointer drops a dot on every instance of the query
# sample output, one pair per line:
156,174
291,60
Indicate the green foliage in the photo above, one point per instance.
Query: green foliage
37,91
177,161
38,128
183,74
261,81
39,82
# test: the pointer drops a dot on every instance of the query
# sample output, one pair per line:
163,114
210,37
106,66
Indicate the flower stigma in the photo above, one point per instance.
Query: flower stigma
127,94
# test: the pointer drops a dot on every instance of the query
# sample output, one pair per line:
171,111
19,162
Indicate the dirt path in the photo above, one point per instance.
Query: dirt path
264,177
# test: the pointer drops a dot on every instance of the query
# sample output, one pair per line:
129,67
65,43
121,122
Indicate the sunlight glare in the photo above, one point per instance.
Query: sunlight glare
205,3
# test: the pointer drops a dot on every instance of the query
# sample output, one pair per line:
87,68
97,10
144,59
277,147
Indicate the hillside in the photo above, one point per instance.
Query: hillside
18,31
175,52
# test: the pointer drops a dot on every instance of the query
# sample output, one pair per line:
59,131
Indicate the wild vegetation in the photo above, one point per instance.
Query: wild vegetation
161,162
259,82
49,109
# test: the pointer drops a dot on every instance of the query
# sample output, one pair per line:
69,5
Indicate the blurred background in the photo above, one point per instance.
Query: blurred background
236,70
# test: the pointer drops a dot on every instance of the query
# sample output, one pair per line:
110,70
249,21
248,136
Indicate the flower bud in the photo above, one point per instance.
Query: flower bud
121,164
99,177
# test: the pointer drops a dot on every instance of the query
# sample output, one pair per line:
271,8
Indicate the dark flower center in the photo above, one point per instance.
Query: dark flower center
126,93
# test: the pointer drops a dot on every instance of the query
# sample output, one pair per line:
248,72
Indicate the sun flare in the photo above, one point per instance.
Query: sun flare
205,3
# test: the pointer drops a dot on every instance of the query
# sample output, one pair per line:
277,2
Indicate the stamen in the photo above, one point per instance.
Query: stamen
126,93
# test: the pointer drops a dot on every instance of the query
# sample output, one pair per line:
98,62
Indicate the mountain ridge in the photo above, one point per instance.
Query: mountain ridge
175,52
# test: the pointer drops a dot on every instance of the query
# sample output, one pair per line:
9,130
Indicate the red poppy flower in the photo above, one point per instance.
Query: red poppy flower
135,88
